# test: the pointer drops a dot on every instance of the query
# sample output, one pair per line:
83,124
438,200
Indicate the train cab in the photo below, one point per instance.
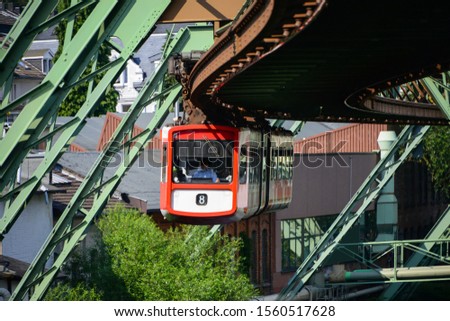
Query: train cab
219,174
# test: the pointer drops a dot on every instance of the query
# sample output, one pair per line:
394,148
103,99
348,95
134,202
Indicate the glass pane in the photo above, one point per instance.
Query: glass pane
202,162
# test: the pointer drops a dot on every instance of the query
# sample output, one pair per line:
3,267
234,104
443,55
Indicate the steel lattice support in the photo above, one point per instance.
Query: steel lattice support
132,25
440,231
35,280
407,141
45,99
33,20
439,91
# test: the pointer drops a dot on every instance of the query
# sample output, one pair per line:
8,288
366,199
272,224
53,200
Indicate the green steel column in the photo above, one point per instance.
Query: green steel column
407,141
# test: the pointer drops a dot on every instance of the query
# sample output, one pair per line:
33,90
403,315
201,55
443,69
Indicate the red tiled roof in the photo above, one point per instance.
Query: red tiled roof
355,138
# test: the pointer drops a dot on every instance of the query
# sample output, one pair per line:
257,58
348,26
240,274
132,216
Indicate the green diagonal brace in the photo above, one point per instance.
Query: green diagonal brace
32,121
18,40
407,141
297,127
433,89
32,21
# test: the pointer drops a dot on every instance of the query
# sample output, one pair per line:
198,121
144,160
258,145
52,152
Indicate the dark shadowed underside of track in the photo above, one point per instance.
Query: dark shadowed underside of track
350,48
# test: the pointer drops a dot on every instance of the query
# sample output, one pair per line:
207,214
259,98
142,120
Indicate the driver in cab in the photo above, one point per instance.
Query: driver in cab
205,172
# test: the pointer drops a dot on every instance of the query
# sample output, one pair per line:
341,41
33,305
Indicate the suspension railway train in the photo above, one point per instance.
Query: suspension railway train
252,168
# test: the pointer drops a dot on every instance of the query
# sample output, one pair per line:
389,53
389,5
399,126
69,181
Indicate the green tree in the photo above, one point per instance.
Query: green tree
91,267
182,264
136,260
77,96
65,292
20,3
437,157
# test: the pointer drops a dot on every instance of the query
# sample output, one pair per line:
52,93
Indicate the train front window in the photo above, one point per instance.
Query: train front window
202,161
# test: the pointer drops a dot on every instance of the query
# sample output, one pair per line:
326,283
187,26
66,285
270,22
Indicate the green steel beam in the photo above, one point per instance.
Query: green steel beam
407,141
434,248
18,39
439,232
35,116
439,91
30,95
297,127
277,122
135,26
6,94
33,20
194,38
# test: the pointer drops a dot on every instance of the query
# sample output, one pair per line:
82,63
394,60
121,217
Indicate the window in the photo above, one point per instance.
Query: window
46,65
265,257
299,237
164,164
254,258
202,161
254,162
273,164
243,162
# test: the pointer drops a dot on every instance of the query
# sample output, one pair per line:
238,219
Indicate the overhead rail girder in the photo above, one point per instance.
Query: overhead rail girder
408,140
131,26
64,234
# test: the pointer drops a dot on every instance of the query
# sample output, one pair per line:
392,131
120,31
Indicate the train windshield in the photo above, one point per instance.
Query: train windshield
202,161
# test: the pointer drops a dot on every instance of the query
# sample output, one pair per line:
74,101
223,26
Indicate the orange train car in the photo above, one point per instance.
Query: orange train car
218,174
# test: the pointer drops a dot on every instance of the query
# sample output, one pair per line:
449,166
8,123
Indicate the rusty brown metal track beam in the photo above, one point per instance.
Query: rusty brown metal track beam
264,27
260,30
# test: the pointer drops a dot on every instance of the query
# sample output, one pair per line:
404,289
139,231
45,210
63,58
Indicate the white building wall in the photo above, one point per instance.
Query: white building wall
132,75
31,229
22,86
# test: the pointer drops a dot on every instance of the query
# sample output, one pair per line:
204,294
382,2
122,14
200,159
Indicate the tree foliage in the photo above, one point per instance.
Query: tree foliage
437,157
136,260
77,96
65,292
183,264
17,2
